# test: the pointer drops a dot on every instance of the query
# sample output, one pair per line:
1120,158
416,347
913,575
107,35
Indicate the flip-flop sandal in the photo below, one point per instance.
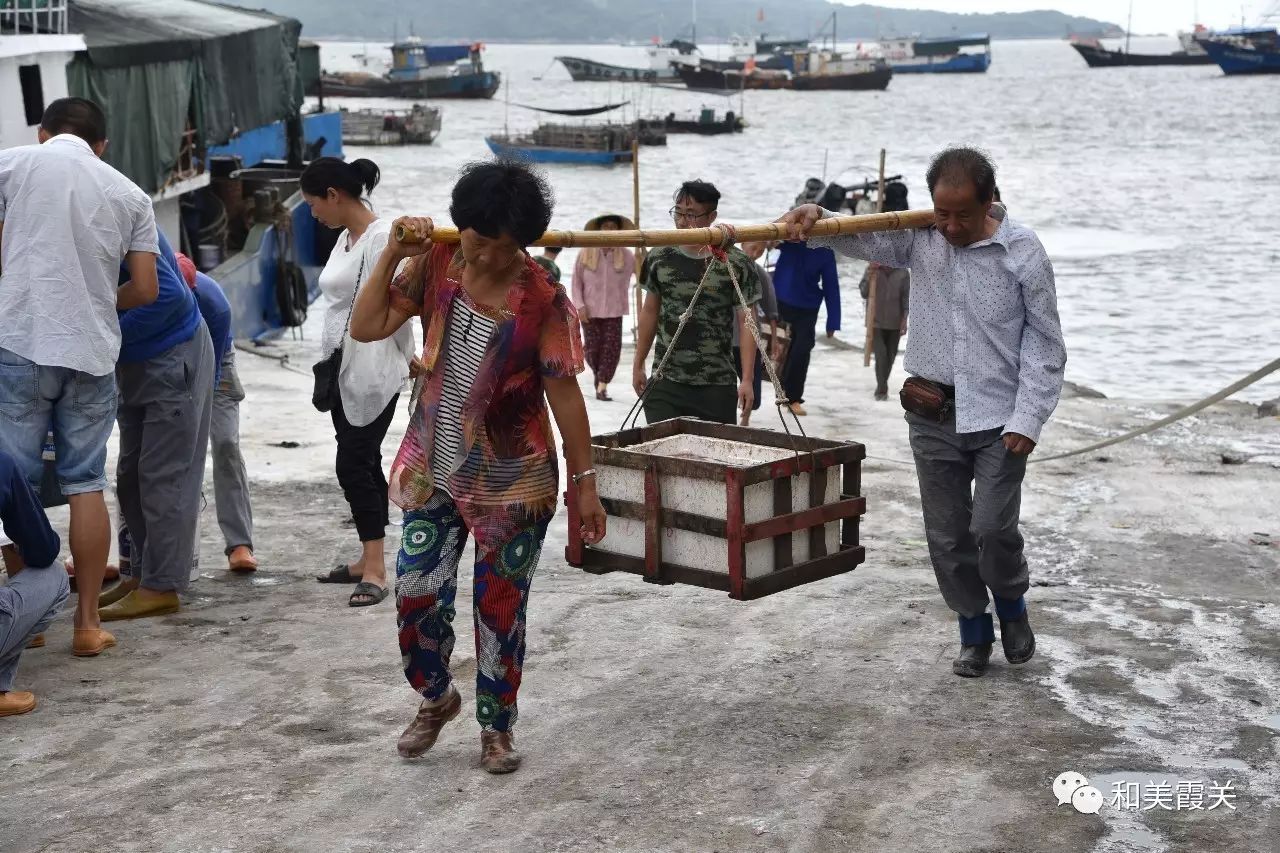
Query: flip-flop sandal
375,593
342,574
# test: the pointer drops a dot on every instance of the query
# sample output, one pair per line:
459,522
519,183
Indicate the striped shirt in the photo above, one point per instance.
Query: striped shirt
465,340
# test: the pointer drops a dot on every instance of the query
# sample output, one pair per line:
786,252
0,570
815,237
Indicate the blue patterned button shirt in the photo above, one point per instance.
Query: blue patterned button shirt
984,318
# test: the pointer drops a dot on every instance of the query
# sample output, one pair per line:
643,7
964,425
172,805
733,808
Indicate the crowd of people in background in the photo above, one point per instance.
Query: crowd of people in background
104,325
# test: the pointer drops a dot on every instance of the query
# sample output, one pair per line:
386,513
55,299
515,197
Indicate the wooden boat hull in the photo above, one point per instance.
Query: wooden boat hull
713,78
483,85
1236,59
875,79
547,154
705,78
419,126
1099,57
703,128
588,70
960,63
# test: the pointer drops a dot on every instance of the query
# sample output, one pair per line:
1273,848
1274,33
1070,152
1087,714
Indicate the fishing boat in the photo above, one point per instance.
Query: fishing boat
419,71
1097,56
1246,51
837,73
761,51
220,157
418,125
822,72
951,55
597,145
707,123
709,77
662,59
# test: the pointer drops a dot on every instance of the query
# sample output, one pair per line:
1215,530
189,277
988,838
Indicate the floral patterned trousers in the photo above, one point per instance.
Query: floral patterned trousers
426,585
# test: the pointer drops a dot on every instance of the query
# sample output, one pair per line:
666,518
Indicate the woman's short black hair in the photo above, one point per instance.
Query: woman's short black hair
499,197
700,191
957,165
356,178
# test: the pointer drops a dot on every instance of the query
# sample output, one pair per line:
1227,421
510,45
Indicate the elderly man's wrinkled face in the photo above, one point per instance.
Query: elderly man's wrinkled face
961,217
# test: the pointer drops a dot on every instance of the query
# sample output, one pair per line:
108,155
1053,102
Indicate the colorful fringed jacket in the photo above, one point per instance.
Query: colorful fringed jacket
507,473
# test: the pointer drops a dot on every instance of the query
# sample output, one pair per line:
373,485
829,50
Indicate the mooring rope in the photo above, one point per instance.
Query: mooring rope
1181,414
282,359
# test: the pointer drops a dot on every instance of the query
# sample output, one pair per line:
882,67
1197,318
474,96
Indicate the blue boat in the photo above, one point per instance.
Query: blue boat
938,55
1255,51
531,153
590,144
271,273
419,72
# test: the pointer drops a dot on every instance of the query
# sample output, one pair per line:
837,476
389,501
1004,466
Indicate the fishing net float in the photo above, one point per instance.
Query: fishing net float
715,235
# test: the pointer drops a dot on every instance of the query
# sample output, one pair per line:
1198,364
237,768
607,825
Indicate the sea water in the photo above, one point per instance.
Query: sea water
1155,190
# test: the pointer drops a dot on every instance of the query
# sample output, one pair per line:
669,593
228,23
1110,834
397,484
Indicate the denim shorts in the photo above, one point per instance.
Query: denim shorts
79,408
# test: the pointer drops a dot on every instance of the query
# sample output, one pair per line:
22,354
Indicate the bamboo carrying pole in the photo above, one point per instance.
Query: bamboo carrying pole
875,275
635,217
712,236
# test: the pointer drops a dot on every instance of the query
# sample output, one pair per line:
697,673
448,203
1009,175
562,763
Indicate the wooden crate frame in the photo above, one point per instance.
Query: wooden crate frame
817,457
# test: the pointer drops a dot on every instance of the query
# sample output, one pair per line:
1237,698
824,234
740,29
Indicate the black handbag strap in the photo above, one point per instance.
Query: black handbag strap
359,278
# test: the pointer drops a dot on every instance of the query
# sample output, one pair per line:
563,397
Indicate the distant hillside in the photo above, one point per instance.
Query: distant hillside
628,20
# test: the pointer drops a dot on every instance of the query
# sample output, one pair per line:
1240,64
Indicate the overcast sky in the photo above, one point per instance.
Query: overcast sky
1149,16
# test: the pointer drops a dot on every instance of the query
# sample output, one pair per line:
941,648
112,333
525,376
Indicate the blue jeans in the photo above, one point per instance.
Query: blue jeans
28,603
80,408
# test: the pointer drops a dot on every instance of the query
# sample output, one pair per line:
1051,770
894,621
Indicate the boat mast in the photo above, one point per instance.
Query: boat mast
695,22
1128,30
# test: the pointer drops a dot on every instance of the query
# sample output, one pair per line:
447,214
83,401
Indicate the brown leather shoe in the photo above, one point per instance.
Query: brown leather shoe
241,560
498,752
90,642
16,702
425,728
36,642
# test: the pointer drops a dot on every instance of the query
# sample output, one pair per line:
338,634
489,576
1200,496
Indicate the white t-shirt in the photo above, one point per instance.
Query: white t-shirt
69,219
371,373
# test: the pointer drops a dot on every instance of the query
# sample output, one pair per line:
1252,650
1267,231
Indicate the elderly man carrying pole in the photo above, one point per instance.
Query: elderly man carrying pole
986,361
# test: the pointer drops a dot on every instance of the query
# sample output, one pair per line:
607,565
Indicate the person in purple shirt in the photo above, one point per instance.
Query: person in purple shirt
37,586
804,279
230,478
165,374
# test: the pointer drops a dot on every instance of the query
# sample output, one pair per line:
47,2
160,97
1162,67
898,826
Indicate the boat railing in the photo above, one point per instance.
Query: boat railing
191,160
27,17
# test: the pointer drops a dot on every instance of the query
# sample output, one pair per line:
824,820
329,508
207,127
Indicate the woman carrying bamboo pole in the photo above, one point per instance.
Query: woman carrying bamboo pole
479,455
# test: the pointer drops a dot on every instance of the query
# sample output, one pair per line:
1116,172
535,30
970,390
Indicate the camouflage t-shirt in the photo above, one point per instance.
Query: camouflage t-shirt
704,352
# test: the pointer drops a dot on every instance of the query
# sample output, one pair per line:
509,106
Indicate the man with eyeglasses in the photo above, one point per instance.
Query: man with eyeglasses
699,379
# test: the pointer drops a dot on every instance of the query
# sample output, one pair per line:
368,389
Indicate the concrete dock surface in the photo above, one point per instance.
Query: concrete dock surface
263,716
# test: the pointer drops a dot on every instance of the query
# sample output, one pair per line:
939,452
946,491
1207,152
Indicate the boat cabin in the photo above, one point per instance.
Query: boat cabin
412,59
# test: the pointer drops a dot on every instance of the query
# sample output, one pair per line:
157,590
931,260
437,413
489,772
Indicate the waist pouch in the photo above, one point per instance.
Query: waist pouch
929,400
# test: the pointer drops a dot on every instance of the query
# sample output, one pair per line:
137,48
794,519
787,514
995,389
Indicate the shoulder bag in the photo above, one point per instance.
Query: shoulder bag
324,395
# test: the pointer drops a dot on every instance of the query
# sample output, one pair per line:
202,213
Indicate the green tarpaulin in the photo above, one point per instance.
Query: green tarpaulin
160,66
